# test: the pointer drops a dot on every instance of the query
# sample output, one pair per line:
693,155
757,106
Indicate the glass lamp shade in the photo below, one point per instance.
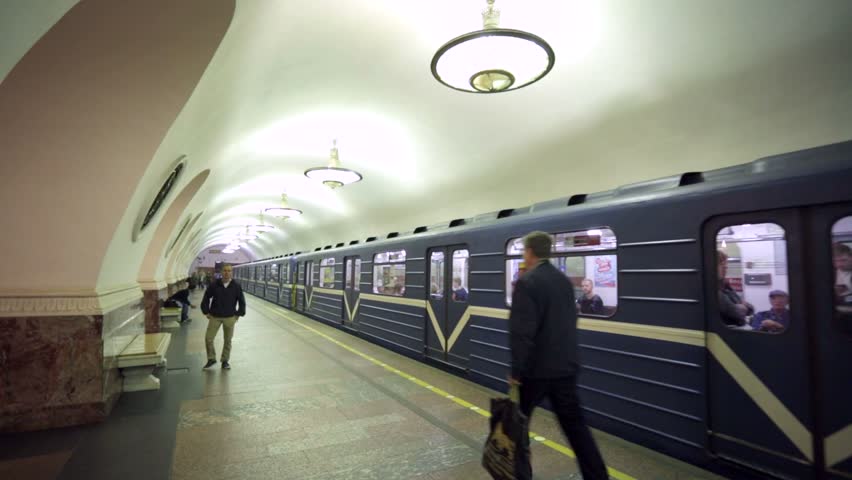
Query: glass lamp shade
258,229
333,177
283,212
492,60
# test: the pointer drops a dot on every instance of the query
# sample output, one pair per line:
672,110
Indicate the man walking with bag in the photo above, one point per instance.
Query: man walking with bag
543,338
222,304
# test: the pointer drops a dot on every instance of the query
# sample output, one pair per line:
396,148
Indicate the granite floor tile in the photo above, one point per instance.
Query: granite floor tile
297,406
39,467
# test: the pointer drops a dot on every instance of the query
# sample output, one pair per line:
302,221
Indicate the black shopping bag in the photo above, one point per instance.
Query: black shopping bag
507,450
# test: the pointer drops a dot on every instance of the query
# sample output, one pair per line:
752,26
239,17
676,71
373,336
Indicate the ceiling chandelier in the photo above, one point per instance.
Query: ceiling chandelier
260,228
333,176
493,59
284,211
248,235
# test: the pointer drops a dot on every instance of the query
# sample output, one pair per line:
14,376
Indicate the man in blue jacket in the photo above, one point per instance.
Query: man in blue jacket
543,337
222,304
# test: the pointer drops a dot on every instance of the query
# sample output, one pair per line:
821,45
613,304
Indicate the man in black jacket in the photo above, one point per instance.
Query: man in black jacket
543,337
223,303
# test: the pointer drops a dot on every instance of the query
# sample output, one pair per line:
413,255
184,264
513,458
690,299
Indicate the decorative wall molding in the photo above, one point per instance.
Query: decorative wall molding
65,303
119,298
153,284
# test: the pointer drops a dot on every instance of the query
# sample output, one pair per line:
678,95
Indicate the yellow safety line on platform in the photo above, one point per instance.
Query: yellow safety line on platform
464,403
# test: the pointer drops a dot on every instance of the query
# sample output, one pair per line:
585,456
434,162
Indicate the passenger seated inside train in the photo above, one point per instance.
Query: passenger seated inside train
436,291
842,259
734,310
589,302
776,319
459,292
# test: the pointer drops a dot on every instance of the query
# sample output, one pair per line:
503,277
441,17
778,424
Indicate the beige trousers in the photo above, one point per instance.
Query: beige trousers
213,324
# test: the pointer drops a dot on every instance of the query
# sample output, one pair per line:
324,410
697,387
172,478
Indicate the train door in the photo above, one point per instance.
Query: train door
309,285
284,284
351,290
759,383
294,281
830,260
447,305
260,279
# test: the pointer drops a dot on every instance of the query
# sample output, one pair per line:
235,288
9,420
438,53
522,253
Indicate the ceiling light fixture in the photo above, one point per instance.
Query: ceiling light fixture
493,59
284,211
263,228
333,176
247,235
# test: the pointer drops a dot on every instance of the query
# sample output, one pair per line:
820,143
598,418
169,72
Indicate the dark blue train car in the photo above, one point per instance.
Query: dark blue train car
716,313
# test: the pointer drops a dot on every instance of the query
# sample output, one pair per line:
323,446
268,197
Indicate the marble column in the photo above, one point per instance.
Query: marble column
153,302
59,370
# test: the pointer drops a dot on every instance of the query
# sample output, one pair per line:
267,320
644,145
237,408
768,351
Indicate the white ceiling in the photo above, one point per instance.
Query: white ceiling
639,90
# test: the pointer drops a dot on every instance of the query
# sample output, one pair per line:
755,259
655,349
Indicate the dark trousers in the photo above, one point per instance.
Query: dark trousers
562,393
184,311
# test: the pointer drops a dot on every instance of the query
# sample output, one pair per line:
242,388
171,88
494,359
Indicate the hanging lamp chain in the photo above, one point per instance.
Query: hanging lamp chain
490,16
335,158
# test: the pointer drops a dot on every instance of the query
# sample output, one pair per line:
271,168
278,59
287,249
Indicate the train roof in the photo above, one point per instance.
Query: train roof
829,158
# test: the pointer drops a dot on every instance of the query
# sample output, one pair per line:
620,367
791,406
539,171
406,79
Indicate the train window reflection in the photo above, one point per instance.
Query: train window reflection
389,273
461,272
273,273
436,275
357,279
285,273
751,262
594,276
347,283
841,257
326,279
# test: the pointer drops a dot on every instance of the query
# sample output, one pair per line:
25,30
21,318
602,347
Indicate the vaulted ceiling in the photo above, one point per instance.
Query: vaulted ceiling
253,94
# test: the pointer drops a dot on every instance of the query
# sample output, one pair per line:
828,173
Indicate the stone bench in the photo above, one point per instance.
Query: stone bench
169,317
140,358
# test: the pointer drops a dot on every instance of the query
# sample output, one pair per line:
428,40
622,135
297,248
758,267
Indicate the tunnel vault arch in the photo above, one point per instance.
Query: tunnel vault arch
154,254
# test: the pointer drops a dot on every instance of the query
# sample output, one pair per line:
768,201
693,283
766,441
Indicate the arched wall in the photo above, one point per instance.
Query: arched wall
155,255
82,116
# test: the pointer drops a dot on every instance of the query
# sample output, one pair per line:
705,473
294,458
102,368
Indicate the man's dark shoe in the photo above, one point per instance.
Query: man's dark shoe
226,366
209,363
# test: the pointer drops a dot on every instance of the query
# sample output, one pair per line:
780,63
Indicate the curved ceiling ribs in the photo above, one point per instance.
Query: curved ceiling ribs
256,92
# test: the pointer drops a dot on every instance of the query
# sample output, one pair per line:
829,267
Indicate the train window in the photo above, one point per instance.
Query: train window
273,273
594,239
436,272
751,262
347,283
357,275
594,276
259,273
326,279
841,238
515,247
461,272
389,273
309,273
285,273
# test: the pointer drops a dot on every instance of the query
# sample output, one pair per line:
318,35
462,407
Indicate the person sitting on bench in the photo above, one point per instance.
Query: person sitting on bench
181,297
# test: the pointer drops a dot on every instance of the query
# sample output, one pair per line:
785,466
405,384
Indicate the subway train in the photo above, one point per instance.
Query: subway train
763,389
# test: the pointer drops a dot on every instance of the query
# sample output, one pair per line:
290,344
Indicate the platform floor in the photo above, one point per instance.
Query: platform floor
302,401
